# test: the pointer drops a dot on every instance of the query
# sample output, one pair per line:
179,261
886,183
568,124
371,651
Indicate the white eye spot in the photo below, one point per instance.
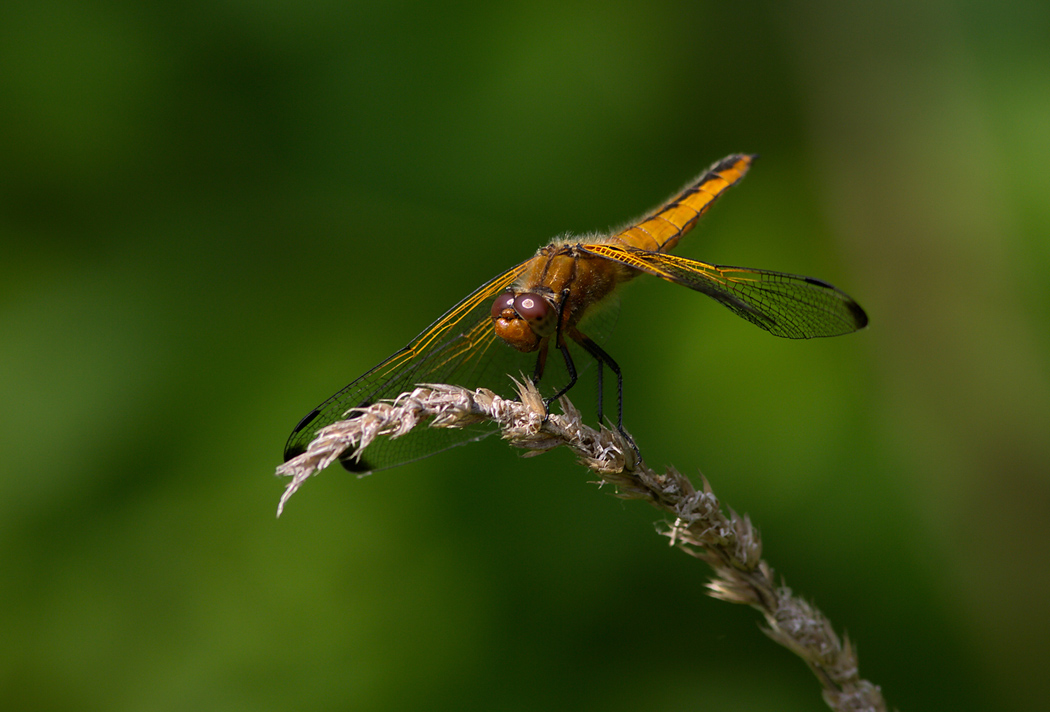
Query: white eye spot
528,303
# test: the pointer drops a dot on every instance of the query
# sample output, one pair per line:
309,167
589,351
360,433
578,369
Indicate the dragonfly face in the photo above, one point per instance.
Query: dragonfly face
510,324
524,320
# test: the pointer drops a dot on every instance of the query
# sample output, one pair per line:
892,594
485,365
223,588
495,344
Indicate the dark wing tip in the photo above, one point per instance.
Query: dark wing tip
293,447
860,317
307,419
353,464
347,459
856,312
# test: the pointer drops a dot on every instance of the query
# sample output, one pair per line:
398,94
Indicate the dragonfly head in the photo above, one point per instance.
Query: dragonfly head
523,320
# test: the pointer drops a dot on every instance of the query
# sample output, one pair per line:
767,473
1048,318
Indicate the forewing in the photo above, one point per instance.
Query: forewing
787,305
459,348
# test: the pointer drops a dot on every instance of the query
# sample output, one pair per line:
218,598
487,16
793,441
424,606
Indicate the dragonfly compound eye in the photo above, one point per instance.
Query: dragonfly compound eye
537,311
531,307
510,326
503,301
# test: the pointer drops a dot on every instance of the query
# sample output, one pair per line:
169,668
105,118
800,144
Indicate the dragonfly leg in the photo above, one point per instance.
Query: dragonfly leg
604,359
570,366
541,363
563,347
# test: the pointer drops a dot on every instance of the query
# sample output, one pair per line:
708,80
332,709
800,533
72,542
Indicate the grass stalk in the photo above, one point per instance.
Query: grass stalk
701,526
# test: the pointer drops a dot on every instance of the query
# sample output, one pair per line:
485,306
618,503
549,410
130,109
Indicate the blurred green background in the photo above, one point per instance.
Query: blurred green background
214,215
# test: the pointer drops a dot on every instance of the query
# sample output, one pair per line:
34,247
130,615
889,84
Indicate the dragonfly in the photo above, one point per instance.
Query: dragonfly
553,301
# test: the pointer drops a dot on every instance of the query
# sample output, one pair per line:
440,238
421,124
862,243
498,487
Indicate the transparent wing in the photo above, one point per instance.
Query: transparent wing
459,348
787,305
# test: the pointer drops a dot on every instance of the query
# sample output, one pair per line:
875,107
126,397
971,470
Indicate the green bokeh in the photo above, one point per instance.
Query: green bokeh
213,215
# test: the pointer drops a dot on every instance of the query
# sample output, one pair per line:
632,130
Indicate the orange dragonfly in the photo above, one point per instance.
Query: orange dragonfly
510,324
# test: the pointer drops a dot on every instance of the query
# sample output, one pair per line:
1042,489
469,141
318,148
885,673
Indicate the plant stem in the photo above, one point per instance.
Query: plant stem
723,539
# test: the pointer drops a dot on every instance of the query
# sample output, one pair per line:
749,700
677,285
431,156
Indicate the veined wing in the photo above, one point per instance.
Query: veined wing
460,347
787,305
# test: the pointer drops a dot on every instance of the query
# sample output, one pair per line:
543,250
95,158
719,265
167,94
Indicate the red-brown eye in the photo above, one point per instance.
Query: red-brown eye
503,301
531,307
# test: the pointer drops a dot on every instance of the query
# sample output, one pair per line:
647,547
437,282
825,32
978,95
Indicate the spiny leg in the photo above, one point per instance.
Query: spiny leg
570,366
604,359
541,363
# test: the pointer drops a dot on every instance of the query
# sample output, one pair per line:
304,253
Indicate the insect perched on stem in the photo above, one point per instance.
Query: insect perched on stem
513,322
